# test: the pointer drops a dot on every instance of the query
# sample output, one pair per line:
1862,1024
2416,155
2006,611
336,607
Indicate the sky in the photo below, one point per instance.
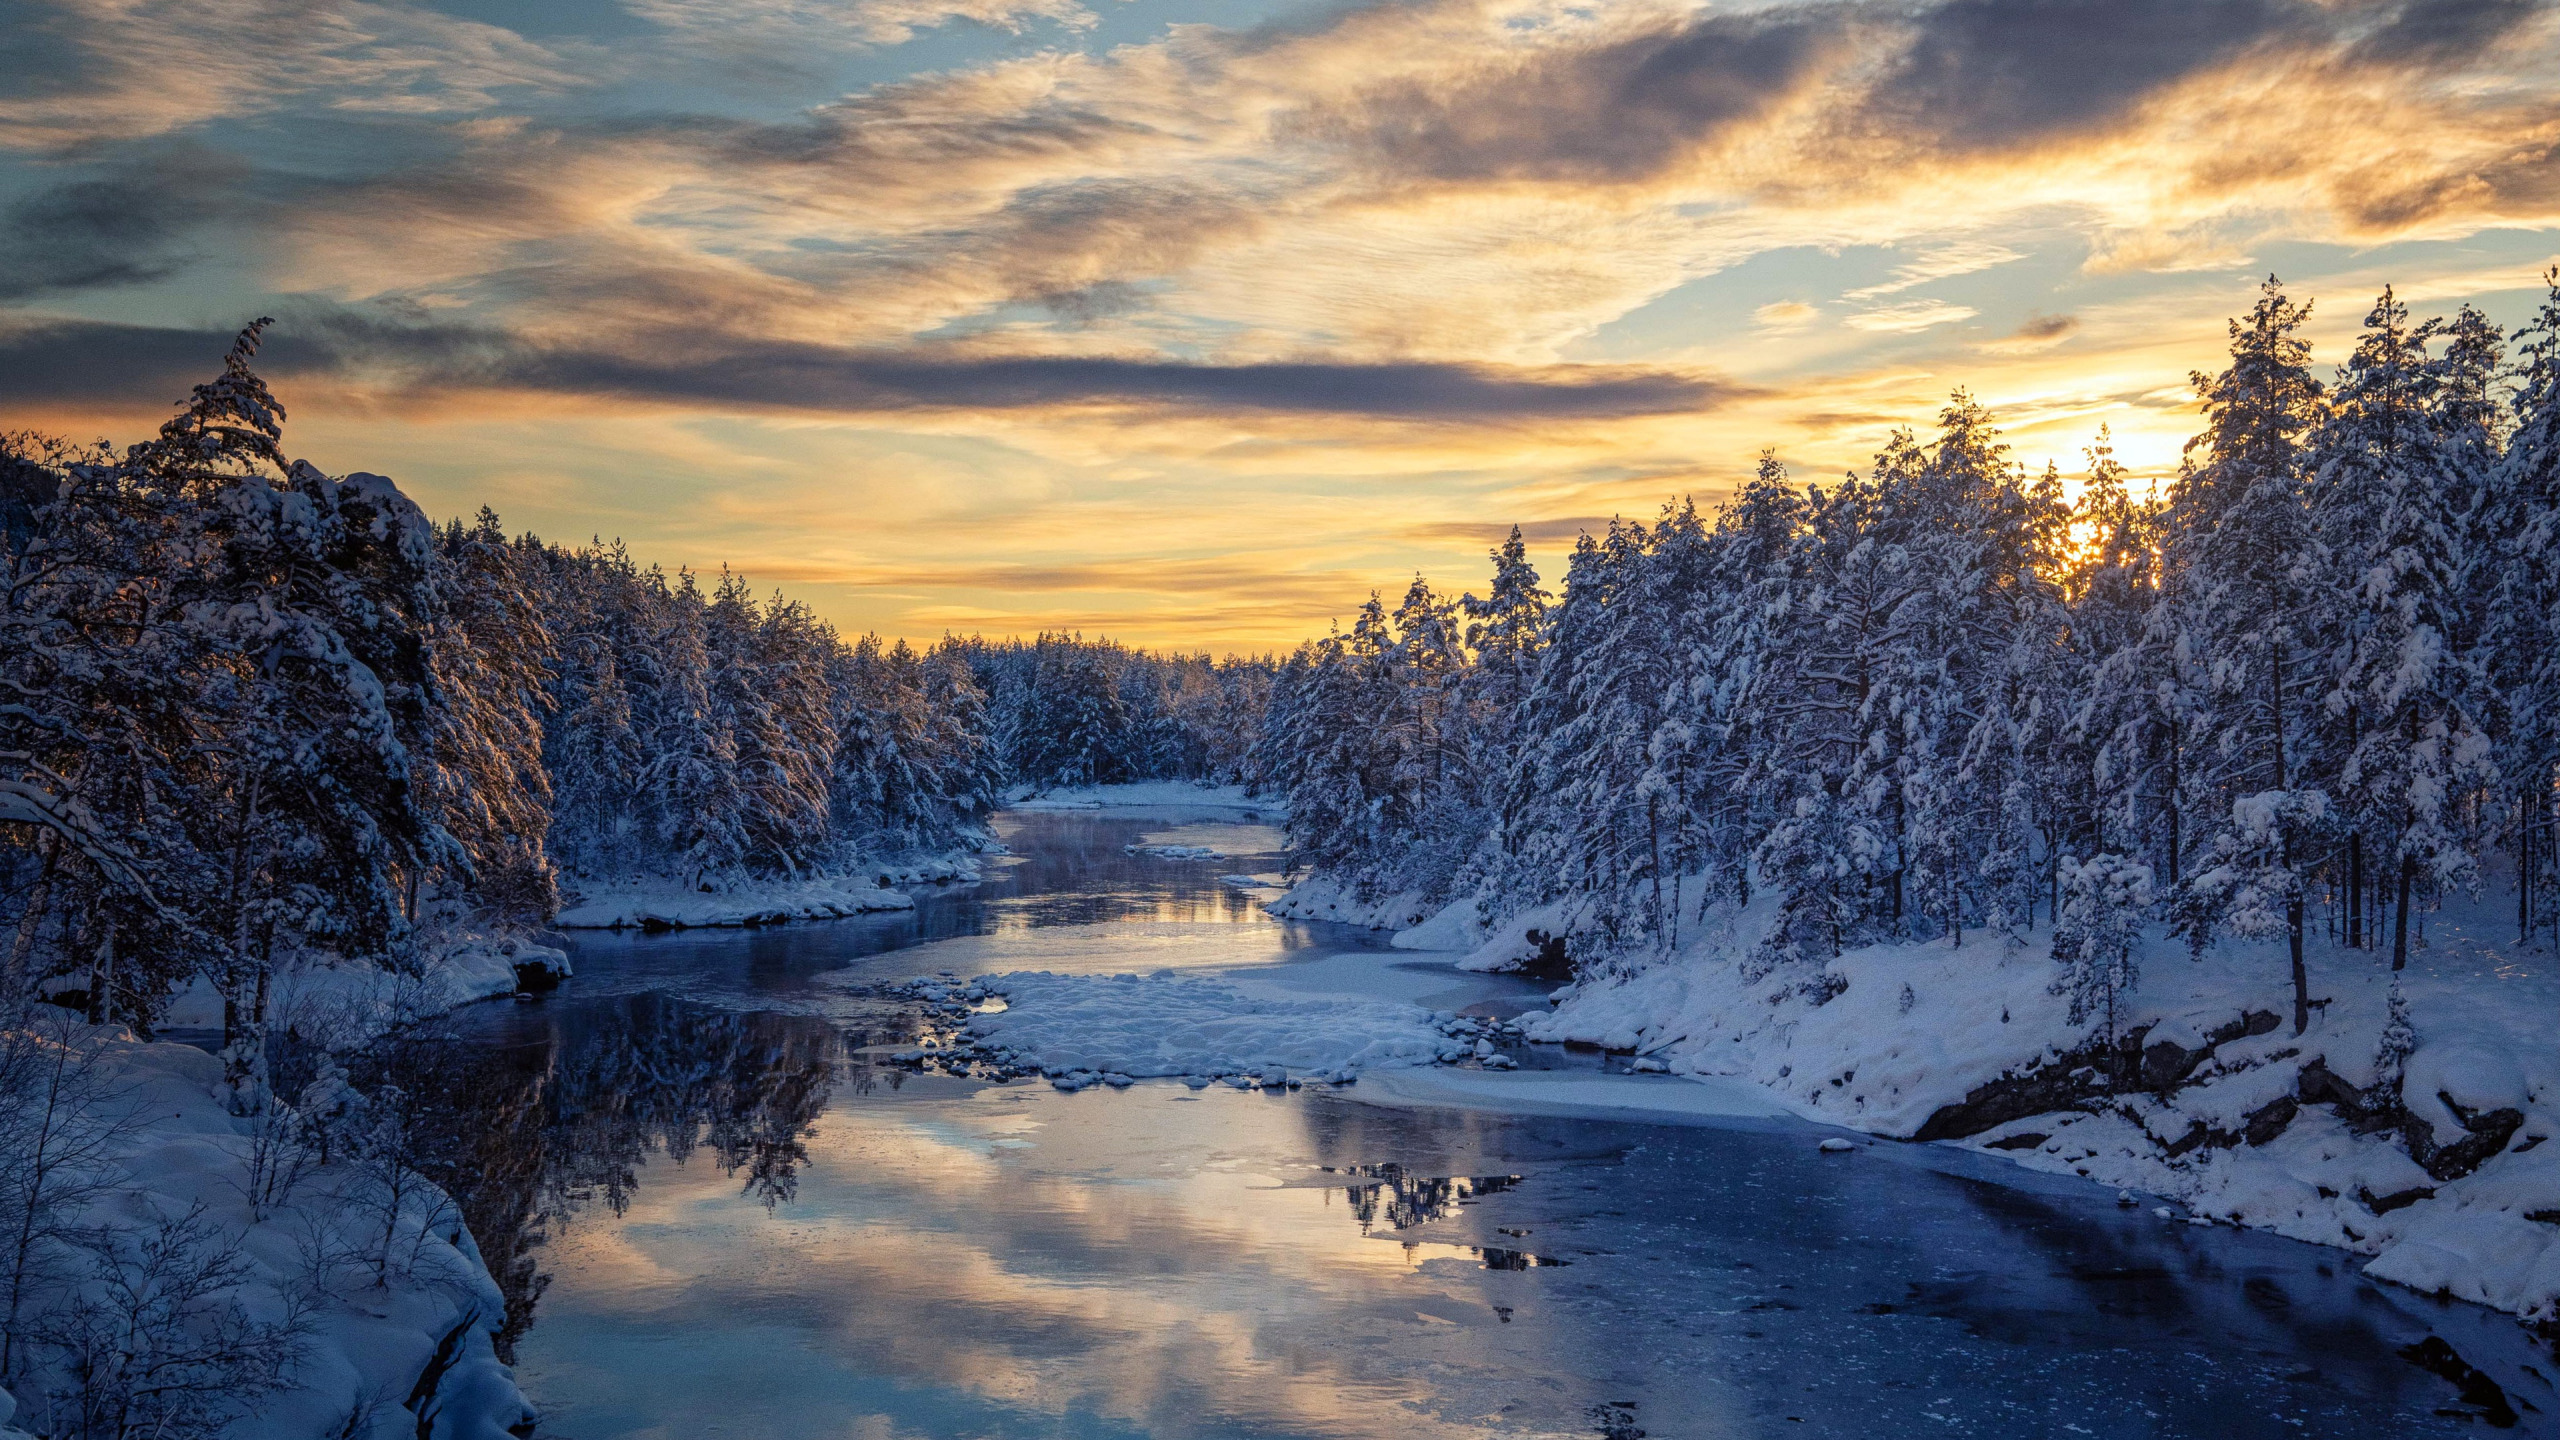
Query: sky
1190,322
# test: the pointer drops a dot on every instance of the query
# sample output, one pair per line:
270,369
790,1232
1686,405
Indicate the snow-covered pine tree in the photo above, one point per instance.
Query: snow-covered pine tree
690,772
2106,901
491,652
2242,535
2386,494
2515,586
309,598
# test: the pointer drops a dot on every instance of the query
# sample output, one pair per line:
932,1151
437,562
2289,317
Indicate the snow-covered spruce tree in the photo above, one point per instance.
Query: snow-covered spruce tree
2106,901
101,681
1071,727
1833,848
308,600
492,654
2251,560
2515,589
690,778
2387,493
2119,741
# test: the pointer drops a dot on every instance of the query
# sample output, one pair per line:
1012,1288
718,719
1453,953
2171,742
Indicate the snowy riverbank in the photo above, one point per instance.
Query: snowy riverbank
2444,1178
356,1291
1144,795
342,1003
659,904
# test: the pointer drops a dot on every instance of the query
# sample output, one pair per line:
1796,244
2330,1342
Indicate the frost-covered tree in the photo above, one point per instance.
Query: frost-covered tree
2243,539
2107,899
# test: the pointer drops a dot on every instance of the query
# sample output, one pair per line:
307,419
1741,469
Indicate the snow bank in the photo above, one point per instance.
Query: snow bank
1169,1023
665,905
341,1003
1143,794
2222,1108
1321,897
370,1341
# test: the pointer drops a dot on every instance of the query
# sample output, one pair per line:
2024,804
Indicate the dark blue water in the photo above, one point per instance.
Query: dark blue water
717,1214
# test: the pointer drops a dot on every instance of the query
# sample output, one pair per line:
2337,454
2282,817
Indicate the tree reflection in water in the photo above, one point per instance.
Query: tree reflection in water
1391,1195
527,1134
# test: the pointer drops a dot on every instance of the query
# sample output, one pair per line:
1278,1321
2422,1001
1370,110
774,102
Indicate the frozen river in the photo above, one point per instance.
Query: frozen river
719,1211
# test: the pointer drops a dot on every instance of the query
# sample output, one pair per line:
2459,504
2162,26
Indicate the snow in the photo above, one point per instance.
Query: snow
666,905
368,1340
1884,1037
1143,794
1320,897
342,1002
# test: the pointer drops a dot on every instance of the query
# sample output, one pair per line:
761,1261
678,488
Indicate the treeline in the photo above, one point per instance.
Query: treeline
250,710
1071,711
2313,681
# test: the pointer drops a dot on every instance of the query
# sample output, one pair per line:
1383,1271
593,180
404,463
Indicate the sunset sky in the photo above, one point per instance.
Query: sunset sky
1190,323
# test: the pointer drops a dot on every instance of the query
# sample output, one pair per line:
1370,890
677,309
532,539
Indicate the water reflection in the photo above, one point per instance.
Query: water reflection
531,1121
1388,1194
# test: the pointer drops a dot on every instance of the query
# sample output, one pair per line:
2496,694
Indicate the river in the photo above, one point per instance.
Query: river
718,1210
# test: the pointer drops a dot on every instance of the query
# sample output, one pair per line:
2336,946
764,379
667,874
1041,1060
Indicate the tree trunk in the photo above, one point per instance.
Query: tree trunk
39,899
2400,919
2355,891
2524,869
102,980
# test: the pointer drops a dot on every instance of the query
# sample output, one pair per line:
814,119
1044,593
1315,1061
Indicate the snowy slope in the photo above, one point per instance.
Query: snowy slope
2223,1109
368,1343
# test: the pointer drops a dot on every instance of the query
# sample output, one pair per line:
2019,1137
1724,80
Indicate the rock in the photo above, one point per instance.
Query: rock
2077,1079
2397,1200
1835,1146
2269,1120
2023,1140
2438,1358
2489,1132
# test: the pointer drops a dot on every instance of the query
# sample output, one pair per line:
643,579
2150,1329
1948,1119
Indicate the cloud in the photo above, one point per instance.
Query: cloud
90,70
1784,315
127,225
1939,263
2037,332
757,27
110,363
1489,533
1623,108
1993,74
1909,317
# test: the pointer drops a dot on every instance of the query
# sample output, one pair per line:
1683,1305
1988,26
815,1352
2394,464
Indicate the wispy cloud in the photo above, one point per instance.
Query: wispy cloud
1909,317
1940,263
